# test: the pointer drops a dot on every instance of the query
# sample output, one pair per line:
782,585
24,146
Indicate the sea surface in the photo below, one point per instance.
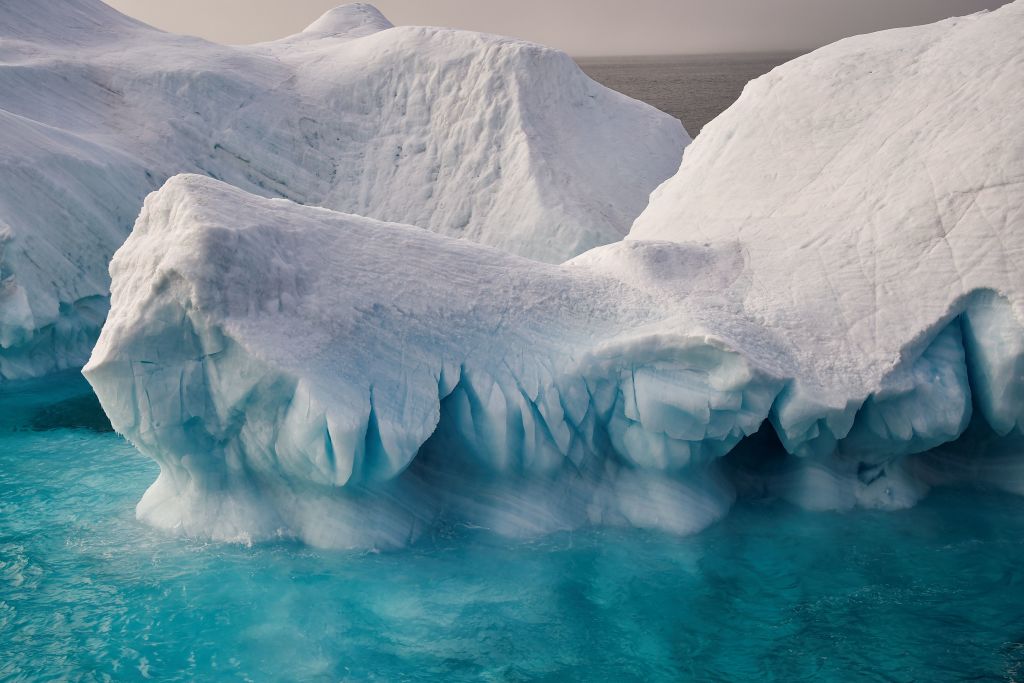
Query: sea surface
693,88
771,593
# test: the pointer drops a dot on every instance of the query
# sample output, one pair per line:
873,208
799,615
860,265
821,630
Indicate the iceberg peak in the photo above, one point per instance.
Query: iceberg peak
355,19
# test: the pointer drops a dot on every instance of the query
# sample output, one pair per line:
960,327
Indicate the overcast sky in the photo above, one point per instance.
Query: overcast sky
581,27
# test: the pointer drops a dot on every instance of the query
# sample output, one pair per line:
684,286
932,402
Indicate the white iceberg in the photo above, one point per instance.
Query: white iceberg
837,261
286,365
495,140
876,189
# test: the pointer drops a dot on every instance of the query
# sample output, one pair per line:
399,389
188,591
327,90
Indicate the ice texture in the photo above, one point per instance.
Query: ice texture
824,304
495,140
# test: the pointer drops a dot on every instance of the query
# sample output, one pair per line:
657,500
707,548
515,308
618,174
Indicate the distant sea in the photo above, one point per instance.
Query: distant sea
693,88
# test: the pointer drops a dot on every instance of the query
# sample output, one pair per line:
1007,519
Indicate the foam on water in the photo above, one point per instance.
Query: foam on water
770,592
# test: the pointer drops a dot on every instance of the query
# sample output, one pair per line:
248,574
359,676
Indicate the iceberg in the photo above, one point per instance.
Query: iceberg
347,381
875,188
824,304
491,139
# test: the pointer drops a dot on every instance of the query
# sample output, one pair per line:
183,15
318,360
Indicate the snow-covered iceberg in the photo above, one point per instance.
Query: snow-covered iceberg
495,140
829,286
286,366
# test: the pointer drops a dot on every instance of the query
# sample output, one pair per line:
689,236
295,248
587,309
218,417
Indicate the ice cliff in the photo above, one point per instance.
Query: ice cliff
491,139
826,303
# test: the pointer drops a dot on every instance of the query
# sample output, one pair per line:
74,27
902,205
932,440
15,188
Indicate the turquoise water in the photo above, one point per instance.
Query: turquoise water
772,593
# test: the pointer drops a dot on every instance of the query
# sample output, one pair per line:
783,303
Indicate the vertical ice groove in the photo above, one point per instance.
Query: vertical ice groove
994,338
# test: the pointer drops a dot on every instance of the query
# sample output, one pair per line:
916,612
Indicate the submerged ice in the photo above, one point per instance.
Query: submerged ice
824,304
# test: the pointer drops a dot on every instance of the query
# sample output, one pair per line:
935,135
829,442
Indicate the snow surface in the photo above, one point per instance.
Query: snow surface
492,139
824,304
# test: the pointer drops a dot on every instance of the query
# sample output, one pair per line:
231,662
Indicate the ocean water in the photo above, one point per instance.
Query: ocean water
693,88
771,593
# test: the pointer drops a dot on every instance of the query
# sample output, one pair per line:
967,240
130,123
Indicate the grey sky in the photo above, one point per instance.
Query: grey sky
581,27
